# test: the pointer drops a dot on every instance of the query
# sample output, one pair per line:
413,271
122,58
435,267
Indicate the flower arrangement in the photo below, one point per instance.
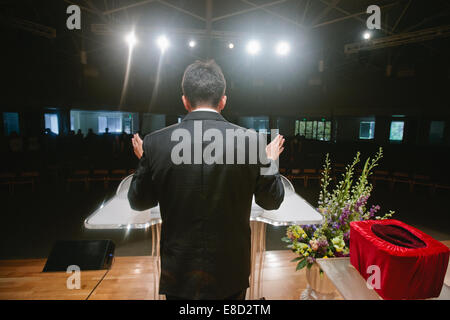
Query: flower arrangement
346,203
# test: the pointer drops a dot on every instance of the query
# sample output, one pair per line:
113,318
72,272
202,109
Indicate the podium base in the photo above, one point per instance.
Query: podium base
311,294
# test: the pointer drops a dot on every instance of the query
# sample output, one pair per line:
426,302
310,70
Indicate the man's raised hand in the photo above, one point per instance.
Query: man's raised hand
137,145
275,148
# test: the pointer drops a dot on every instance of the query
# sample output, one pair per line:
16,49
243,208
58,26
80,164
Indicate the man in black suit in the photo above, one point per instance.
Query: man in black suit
205,195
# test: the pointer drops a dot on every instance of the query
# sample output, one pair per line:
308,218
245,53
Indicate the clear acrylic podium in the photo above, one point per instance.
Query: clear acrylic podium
117,214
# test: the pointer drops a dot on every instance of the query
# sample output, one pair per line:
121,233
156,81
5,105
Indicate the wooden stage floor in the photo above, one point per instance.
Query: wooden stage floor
131,278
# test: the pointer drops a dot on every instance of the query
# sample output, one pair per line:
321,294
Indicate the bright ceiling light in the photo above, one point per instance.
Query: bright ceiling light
367,35
283,48
231,45
163,43
131,39
253,47
192,43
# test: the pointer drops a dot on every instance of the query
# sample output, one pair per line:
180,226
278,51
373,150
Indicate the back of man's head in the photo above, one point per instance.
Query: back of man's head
203,84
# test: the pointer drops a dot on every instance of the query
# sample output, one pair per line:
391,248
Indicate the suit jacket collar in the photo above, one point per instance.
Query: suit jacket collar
204,115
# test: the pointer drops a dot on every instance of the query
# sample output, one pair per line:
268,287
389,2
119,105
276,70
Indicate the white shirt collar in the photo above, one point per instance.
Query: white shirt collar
205,109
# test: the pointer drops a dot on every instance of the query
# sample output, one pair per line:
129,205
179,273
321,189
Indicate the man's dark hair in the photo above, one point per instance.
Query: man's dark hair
203,83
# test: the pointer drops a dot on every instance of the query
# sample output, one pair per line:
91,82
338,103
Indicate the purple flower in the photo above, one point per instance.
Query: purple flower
344,215
322,243
310,260
347,238
373,210
361,202
309,229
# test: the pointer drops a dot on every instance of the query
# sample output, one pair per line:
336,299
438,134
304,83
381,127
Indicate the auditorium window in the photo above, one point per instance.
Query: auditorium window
437,131
366,130
127,124
260,124
396,132
72,127
113,123
314,130
10,122
327,135
52,122
309,130
98,121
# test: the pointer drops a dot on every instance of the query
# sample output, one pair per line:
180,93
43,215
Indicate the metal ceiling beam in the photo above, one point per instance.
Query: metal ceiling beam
356,16
248,10
111,29
349,16
279,16
338,20
209,10
181,10
426,20
399,39
167,4
33,27
137,4
401,15
83,7
305,11
93,7
325,11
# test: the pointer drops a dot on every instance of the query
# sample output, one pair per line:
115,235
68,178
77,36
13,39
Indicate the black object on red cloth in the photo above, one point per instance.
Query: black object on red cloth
397,235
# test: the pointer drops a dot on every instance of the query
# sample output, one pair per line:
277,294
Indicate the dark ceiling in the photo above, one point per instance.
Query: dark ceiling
42,63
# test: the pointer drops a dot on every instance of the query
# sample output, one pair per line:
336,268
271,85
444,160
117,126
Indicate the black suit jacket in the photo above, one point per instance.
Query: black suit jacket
205,211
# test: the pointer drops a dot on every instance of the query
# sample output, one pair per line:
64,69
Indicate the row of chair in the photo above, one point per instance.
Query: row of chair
391,178
12,179
104,176
83,176
412,180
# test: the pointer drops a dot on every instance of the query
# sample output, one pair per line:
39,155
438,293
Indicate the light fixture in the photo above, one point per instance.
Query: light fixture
367,35
253,47
131,39
163,43
231,45
282,48
192,43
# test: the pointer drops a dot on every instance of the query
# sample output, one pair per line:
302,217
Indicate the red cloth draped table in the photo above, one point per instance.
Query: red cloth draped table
412,265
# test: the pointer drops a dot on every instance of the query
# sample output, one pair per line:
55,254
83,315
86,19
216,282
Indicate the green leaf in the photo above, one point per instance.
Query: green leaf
286,239
301,265
296,259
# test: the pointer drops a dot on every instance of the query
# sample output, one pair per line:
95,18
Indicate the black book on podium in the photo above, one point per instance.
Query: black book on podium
86,254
